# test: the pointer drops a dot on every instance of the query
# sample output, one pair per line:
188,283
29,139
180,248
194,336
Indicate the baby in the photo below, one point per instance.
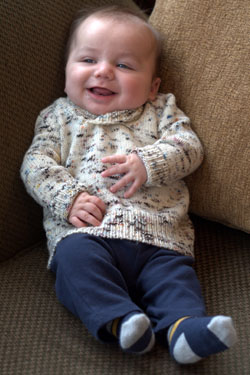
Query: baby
107,163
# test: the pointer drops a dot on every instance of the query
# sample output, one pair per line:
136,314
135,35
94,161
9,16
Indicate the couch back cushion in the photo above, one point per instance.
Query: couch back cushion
206,54
32,40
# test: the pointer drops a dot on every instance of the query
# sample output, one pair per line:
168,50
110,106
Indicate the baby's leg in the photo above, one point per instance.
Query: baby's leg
172,294
91,286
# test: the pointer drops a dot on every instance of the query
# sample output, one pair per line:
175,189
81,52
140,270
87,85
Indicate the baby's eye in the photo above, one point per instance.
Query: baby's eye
124,66
88,61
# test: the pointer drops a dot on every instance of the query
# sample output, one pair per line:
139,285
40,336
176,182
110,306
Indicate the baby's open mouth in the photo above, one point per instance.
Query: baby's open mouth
101,91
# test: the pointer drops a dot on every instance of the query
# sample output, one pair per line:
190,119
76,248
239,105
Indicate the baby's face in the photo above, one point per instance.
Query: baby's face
111,65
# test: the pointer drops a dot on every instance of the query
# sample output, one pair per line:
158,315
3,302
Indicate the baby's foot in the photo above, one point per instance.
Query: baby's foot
134,332
191,339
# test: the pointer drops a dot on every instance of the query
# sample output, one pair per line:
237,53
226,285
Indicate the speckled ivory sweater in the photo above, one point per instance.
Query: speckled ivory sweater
64,159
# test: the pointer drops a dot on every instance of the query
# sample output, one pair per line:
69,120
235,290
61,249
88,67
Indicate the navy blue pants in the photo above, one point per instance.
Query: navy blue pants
100,279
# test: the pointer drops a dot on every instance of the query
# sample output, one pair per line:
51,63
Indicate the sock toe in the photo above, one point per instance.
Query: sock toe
136,335
222,327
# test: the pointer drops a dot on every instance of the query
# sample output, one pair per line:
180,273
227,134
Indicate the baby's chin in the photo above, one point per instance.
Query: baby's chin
101,110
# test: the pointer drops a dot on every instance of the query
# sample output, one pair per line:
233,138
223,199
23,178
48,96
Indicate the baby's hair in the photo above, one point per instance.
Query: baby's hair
113,12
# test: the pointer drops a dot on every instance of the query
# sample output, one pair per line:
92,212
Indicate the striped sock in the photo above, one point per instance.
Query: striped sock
134,332
191,339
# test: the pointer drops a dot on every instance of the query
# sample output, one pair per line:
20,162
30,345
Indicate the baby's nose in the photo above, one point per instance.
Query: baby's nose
104,70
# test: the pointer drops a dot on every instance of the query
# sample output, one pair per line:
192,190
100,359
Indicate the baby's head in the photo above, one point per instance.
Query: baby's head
112,60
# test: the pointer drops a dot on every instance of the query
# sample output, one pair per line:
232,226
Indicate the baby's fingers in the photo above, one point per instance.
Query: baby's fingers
132,190
124,181
100,205
86,218
114,170
77,222
114,159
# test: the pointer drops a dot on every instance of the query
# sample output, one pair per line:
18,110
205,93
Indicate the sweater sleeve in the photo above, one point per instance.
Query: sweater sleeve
45,178
177,152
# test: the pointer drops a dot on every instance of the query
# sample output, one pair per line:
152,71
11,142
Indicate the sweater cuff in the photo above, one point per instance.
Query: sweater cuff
63,200
155,164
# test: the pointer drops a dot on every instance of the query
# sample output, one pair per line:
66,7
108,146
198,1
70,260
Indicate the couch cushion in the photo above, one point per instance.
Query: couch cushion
205,64
32,40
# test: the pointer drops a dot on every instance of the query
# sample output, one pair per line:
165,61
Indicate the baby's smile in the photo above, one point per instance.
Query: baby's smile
101,91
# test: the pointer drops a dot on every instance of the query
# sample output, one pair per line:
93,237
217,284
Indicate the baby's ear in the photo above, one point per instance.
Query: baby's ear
154,88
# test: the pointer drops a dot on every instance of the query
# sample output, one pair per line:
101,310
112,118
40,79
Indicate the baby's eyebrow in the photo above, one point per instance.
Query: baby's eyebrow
88,49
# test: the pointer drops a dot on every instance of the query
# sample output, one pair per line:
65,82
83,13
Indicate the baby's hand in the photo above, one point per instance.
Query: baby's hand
133,171
86,210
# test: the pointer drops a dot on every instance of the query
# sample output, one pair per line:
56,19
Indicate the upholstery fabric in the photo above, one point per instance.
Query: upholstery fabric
206,65
40,337
32,41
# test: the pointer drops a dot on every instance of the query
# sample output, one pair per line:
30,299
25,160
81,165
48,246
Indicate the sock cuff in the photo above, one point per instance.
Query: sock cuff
174,327
114,327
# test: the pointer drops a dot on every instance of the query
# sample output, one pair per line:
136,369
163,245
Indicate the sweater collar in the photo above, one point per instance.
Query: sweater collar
111,118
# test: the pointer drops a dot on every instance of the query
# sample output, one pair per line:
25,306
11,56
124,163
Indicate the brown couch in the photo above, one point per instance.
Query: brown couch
206,65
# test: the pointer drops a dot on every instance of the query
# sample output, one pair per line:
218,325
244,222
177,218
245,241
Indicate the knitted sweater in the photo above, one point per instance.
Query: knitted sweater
64,159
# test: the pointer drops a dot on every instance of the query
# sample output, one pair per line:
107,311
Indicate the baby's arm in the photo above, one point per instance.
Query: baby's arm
177,153
43,171
131,167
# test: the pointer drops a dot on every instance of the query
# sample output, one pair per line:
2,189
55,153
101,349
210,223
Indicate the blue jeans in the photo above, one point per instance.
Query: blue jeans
100,279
